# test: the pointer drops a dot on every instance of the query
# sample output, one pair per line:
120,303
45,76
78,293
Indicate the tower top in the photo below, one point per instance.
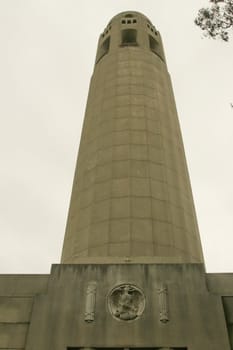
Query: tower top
130,14
129,28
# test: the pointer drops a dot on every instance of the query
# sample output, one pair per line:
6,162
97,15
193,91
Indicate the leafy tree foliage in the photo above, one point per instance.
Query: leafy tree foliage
217,20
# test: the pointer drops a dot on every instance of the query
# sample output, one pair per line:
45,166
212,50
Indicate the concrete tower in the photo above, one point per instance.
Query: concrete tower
131,195
132,274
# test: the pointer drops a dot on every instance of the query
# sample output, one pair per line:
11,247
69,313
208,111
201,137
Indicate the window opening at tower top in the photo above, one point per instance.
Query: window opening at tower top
129,37
104,48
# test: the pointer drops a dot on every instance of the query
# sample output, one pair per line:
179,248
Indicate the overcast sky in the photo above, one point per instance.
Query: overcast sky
46,60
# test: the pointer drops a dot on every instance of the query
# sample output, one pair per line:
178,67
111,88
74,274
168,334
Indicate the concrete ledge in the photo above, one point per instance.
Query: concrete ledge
129,260
23,285
220,283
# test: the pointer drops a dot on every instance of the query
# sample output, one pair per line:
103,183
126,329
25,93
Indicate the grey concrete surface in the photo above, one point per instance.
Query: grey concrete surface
48,311
196,315
131,194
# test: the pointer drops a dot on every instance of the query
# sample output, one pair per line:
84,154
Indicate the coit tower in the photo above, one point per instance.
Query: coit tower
131,194
132,274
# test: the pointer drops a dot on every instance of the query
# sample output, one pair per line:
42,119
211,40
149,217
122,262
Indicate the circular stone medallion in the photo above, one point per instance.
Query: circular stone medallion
126,302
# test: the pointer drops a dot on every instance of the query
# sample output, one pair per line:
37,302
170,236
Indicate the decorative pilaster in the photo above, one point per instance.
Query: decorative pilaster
163,304
90,302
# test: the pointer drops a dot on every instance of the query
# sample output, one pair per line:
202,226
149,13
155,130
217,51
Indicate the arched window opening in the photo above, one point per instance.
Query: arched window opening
104,48
129,37
155,47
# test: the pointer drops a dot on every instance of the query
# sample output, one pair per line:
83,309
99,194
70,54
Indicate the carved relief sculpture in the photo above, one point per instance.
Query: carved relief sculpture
163,303
126,302
90,302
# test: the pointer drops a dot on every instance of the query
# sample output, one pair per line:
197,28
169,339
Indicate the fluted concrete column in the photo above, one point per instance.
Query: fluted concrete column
131,193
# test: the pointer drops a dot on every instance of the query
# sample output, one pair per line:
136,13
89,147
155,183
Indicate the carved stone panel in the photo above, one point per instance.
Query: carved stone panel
126,302
90,302
163,304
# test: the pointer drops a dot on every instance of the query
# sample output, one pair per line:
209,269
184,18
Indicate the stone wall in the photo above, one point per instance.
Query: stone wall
175,306
17,294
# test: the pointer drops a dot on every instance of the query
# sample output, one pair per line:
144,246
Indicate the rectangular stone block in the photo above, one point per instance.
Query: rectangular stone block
122,89
23,285
119,231
162,233
120,207
121,187
123,112
105,141
121,138
158,190
139,247
160,210
102,191
82,243
99,234
138,152
153,126
100,250
13,310
178,216
228,308
86,197
119,249
157,172
122,123
142,230
101,211
123,100
138,124
104,172
121,152
140,187
139,168
12,335
137,111
154,140
105,155
141,207
84,218
121,168
138,137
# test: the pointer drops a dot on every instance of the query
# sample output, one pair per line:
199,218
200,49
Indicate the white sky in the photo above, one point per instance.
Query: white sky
46,60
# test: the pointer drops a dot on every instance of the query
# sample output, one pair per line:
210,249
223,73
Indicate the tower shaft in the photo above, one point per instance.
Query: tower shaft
131,194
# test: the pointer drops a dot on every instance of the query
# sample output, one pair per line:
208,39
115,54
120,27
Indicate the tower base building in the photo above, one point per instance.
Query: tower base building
132,272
